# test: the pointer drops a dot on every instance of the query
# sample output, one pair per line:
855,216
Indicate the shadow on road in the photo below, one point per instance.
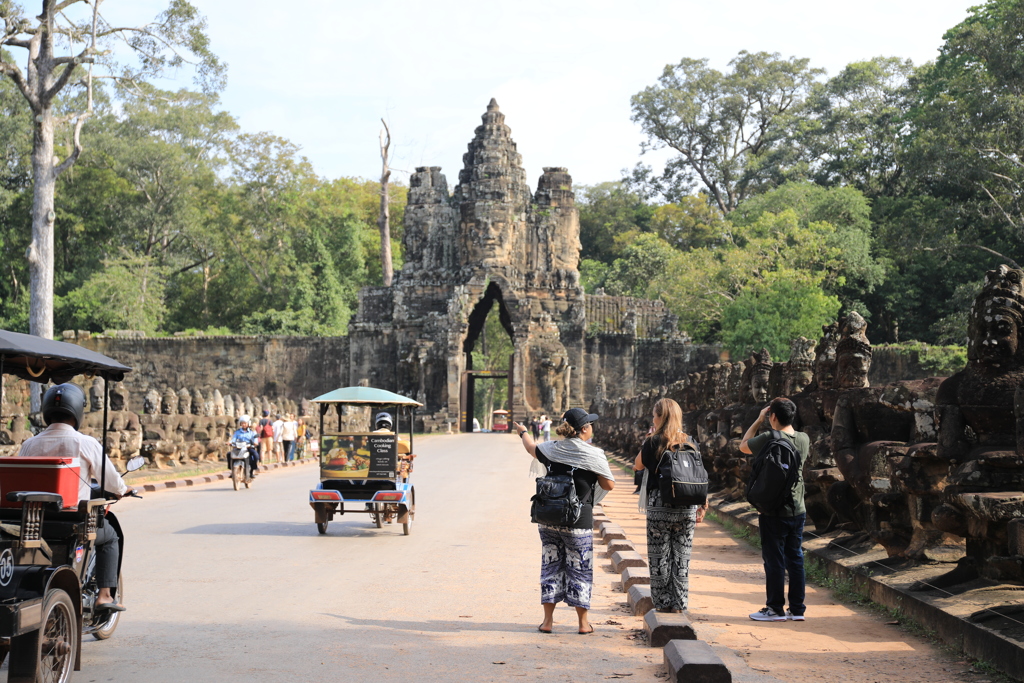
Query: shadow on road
435,626
286,529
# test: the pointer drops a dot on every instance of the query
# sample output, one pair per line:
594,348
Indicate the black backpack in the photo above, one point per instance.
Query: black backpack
556,502
773,475
682,479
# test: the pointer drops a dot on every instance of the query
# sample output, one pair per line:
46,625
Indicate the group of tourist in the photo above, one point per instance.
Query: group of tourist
567,552
281,438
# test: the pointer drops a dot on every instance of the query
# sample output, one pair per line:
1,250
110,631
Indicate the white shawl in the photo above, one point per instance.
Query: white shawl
575,453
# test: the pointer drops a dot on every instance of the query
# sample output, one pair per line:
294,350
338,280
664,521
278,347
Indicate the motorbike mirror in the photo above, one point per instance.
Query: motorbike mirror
136,463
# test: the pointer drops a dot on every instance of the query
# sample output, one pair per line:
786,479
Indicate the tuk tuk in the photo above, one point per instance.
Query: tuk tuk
47,560
499,421
363,470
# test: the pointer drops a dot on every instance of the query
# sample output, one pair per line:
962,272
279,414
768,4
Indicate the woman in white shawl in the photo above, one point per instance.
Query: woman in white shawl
567,552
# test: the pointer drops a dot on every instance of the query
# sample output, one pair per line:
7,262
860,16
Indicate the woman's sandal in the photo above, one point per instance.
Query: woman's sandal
543,630
586,633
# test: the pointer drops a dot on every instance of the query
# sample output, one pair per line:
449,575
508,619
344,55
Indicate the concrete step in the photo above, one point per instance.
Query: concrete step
662,627
640,599
620,544
634,576
627,558
611,531
694,661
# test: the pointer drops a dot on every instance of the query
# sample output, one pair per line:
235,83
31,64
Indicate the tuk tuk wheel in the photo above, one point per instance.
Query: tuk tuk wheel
321,527
49,653
107,627
378,517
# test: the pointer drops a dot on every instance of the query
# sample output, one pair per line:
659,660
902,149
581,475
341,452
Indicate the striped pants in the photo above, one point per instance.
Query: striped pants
566,565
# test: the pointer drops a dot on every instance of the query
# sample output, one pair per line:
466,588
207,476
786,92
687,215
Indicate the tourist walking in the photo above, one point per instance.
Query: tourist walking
567,552
278,441
289,435
300,438
545,427
781,530
669,529
265,431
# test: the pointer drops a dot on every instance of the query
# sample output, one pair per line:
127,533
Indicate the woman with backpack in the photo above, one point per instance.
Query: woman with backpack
567,549
669,529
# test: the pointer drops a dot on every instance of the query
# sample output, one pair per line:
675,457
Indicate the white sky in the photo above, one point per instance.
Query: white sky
322,72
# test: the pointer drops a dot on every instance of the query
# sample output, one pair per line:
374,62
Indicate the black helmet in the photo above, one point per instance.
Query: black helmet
63,401
383,421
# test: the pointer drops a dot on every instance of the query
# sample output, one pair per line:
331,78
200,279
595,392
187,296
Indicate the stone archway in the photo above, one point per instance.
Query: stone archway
475,334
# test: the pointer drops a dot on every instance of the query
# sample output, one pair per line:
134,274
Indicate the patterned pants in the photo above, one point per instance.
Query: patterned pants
669,542
566,565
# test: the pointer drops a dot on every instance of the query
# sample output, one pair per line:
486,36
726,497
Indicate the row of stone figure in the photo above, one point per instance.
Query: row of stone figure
931,469
177,428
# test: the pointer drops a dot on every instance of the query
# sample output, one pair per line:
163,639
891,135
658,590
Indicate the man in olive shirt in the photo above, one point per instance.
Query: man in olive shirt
781,533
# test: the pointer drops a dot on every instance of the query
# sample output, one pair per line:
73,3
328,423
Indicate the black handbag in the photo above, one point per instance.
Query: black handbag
556,502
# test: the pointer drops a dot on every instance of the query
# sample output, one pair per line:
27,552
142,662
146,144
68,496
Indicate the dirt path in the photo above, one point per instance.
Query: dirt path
836,643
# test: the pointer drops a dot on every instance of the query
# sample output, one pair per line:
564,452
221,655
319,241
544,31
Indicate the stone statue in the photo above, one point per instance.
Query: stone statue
981,430
217,403
184,402
229,406
198,402
151,403
96,394
170,402
760,377
800,370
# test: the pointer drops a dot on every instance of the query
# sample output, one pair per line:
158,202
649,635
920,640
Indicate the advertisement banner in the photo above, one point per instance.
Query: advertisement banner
358,456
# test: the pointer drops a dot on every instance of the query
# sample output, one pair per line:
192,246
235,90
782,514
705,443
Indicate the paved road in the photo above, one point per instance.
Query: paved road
234,586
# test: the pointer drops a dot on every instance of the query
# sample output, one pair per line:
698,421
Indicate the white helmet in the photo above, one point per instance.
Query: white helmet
244,418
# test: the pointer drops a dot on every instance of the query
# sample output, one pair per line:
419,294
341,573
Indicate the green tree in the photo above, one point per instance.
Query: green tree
76,27
608,210
728,129
854,126
128,293
644,258
772,312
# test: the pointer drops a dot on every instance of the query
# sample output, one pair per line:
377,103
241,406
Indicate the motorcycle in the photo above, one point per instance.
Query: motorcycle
239,463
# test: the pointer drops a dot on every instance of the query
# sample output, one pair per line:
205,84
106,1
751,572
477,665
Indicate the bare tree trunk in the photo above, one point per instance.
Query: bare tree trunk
384,223
40,250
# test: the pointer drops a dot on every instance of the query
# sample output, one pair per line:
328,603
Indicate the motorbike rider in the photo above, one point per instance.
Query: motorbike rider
246,434
62,410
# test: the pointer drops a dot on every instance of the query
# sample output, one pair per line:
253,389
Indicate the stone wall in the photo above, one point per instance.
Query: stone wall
296,367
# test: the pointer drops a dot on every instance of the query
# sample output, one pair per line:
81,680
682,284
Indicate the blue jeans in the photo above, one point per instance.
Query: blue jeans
289,450
781,550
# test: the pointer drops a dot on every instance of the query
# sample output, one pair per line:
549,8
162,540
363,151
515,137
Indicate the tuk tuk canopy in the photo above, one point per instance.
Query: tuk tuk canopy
365,395
43,360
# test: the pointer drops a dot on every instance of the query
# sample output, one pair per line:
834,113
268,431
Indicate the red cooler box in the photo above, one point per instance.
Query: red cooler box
54,475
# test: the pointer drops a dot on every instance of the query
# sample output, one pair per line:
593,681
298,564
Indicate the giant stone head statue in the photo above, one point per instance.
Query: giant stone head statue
853,353
997,319
760,378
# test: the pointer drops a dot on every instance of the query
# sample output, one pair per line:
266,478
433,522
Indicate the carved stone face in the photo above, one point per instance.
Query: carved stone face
852,370
998,337
759,383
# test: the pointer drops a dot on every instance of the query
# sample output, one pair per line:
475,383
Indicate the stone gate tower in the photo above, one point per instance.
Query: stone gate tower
492,242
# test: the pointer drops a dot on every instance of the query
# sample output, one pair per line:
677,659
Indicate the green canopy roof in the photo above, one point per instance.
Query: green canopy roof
365,395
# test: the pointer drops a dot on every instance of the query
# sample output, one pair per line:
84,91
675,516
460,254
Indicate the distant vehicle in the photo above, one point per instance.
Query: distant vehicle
500,421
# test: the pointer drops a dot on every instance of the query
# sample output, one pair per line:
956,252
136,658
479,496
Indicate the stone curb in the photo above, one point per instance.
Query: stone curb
621,559
612,531
632,576
974,639
662,627
620,544
154,486
694,661
640,599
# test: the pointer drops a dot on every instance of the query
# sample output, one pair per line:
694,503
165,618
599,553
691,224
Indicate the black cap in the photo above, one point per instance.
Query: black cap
579,418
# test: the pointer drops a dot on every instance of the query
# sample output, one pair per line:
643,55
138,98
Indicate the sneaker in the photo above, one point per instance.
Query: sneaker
794,617
767,614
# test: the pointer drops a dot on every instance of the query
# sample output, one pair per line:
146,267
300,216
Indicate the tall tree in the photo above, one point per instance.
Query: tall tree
384,222
79,32
727,128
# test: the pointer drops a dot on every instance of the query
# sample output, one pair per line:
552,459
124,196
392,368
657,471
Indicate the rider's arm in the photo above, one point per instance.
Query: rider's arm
113,483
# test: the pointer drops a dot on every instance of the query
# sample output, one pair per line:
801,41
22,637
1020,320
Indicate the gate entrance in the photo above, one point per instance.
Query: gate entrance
490,356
